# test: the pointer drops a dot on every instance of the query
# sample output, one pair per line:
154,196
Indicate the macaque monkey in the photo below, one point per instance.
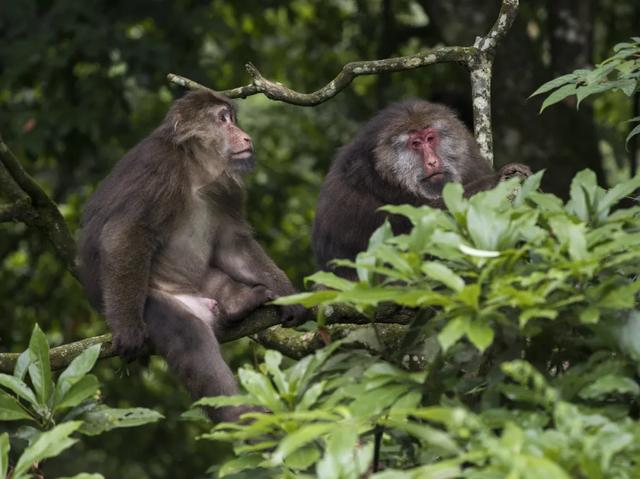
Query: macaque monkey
404,155
166,253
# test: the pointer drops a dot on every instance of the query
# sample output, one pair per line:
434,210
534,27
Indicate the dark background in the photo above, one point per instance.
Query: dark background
82,82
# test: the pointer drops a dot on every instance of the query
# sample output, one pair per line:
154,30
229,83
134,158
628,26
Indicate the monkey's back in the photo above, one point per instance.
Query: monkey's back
143,190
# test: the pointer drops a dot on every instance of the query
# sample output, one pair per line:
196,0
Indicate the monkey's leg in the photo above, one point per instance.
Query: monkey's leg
193,353
236,299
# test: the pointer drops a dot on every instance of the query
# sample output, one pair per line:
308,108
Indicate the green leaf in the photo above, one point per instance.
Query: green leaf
40,369
615,194
22,365
239,464
18,387
543,468
4,455
426,433
590,316
480,334
310,396
380,235
330,280
340,459
529,186
572,235
555,83
453,331
303,458
632,133
628,335
610,384
621,297
11,410
261,388
48,444
86,387
453,196
307,299
298,439
588,90
558,95
79,367
272,360
584,190
443,274
221,401
103,419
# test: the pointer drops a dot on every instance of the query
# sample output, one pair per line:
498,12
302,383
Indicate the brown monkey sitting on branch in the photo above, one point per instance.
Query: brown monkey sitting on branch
404,155
166,253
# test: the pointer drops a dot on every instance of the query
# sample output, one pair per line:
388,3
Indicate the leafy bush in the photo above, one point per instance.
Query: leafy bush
620,72
57,408
527,326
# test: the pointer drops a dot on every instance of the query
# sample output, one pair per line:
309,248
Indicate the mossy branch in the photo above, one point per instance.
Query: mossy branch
261,325
33,206
478,59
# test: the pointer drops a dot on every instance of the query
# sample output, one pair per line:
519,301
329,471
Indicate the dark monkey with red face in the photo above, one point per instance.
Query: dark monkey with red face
166,253
404,155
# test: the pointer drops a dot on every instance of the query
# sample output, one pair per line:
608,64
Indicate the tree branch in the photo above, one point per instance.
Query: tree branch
478,58
43,213
262,325
15,211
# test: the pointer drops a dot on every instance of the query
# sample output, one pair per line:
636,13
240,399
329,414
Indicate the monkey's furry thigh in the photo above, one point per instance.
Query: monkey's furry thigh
193,353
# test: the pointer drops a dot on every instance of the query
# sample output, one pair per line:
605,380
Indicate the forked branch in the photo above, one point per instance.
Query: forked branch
478,59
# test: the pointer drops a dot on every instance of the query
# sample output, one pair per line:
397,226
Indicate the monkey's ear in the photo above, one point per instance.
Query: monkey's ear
177,119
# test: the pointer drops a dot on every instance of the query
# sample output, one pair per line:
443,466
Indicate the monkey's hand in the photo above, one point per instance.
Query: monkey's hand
130,343
513,170
294,315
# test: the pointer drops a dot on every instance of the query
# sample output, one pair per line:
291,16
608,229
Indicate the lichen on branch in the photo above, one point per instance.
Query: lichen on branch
478,59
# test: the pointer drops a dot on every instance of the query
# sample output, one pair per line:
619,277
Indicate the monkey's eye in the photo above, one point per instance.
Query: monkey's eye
224,116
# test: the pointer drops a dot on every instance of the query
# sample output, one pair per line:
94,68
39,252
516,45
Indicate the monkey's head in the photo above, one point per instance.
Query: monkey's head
420,146
206,121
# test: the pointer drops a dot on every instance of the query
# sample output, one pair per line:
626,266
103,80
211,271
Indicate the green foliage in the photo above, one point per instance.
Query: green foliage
619,72
533,320
58,407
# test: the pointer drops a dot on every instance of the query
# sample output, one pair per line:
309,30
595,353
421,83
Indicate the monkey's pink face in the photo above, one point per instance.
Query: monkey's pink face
420,161
236,145
424,143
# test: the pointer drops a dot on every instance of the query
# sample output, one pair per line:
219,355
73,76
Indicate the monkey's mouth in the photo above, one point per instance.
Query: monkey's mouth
434,177
240,155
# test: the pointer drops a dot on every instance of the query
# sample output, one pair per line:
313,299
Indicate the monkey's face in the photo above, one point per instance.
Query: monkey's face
231,143
425,147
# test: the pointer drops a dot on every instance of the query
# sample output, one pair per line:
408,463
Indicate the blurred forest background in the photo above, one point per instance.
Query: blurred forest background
82,82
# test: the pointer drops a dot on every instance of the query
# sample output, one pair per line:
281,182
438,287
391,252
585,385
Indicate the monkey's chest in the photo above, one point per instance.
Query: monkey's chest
185,258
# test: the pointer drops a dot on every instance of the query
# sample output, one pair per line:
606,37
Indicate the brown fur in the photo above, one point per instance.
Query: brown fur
165,235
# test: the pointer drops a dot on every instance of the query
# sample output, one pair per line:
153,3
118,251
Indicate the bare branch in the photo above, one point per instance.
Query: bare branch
478,58
279,92
43,214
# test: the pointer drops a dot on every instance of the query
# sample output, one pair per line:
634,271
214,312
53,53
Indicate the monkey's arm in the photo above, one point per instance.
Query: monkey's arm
243,259
126,253
508,171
